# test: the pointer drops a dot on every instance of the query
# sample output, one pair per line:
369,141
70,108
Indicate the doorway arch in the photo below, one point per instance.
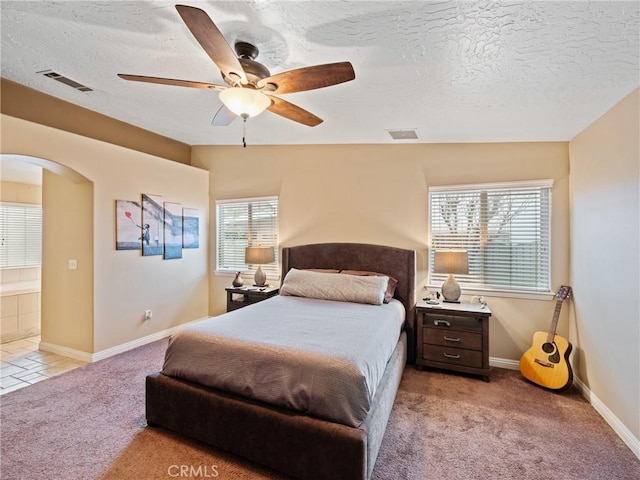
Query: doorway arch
67,234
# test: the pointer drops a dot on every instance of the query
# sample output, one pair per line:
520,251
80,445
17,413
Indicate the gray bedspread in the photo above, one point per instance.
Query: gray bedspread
320,357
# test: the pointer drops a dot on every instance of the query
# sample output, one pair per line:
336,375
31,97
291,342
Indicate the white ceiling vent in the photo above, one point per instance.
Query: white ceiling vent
403,134
65,80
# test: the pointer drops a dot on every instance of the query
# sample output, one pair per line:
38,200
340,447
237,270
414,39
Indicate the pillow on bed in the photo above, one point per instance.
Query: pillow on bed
391,286
329,286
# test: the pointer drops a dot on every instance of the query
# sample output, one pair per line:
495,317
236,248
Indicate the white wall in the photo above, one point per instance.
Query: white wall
605,259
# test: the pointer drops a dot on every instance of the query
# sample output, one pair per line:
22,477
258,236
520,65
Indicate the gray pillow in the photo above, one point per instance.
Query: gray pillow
329,286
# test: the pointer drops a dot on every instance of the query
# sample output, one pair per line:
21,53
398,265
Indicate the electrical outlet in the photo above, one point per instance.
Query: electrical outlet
148,314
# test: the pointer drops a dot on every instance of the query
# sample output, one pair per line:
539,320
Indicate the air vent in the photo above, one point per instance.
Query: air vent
67,81
403,134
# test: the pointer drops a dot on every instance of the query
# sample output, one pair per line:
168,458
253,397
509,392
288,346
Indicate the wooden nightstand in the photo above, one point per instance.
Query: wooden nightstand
238,297
453,336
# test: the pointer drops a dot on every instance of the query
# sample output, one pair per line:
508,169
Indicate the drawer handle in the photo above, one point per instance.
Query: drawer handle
437,323
451,356
448,339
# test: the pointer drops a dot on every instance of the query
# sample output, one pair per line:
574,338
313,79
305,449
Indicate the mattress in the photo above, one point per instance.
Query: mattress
319,357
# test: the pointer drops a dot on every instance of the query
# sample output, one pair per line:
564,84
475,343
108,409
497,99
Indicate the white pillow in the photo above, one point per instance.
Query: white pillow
331,286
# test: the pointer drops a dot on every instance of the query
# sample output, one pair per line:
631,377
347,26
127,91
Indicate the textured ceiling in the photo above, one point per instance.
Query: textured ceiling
453,71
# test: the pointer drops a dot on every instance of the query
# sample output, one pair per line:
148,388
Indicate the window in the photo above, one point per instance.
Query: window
20,235
504,227
241,223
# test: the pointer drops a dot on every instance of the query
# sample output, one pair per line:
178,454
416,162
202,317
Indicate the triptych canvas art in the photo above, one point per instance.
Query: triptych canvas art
156,227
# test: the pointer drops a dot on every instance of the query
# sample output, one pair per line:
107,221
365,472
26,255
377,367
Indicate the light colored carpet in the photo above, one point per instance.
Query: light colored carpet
89,424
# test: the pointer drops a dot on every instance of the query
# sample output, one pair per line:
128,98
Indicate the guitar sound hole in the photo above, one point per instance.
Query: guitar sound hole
548,347
555,358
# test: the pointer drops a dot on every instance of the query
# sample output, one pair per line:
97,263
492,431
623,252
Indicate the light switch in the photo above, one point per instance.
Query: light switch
73,264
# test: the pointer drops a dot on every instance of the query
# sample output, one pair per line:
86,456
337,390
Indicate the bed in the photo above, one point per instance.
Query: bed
303,446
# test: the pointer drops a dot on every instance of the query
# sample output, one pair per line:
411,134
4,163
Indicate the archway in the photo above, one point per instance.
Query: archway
66,292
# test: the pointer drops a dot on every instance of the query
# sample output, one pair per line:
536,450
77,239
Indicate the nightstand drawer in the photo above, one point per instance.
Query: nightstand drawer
454,322
238,297
455,356
452,338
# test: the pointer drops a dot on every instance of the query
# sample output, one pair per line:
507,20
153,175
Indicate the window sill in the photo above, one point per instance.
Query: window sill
522,294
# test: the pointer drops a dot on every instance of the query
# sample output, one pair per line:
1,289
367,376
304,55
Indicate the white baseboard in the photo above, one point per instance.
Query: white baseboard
504,363
614,422
110,352
65,351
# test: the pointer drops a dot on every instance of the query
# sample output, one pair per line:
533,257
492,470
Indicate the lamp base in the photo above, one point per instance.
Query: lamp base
451,290
260,277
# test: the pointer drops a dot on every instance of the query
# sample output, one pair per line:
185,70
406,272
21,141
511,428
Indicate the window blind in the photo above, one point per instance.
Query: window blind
20,235
246,223
504,227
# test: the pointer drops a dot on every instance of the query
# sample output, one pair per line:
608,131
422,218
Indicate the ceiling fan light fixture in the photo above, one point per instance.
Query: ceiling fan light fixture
245,102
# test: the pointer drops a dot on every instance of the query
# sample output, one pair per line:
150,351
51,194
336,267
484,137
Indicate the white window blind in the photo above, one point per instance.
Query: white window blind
20,235
246,223
504,227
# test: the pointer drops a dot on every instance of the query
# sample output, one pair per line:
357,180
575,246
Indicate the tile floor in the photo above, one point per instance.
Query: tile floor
22,364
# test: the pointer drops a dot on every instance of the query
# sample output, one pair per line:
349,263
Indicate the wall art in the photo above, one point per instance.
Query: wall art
128,225
190,228
172,230
152,225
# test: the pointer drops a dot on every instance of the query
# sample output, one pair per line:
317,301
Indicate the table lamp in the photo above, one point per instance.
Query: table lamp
259,256
451,262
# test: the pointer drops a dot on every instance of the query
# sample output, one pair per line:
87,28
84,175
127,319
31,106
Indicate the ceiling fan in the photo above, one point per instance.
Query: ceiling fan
250,86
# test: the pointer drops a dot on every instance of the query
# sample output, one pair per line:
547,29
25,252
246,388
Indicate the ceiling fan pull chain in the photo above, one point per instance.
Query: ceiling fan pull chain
244,131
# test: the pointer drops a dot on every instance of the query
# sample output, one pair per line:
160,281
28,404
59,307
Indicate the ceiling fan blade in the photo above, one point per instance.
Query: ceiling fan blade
170,81
293,112
212,41
310,78
223,117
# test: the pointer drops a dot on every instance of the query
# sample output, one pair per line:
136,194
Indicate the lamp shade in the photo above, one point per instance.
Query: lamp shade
259,255
244,102
451,261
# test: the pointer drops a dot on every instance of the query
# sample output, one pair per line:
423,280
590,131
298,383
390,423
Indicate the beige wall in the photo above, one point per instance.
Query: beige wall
67,233
125,284
378,194
605,260
15,192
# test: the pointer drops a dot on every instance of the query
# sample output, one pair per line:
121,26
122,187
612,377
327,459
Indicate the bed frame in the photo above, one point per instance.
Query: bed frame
287,441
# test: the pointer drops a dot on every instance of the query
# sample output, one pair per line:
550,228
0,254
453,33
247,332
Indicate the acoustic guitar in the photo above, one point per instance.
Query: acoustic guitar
546,363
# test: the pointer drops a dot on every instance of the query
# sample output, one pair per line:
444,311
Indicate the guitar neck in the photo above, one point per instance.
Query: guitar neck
554,322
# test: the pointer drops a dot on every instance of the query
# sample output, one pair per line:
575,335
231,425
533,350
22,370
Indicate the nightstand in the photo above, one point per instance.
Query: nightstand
238,297
453,336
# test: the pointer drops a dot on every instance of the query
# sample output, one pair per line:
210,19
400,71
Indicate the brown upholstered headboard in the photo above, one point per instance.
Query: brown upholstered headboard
396,262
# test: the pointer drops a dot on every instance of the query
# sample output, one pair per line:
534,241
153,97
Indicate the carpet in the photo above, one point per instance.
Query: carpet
89,424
